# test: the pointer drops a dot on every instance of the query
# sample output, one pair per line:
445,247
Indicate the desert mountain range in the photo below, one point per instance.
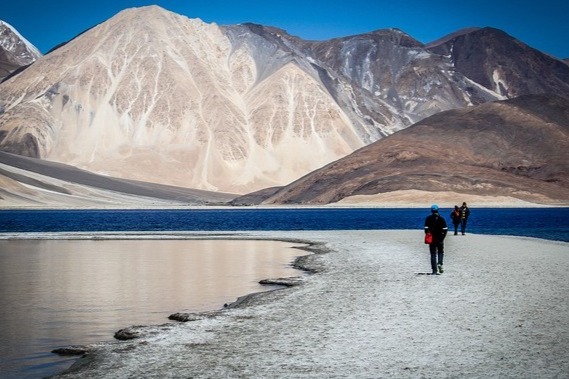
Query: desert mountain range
153,99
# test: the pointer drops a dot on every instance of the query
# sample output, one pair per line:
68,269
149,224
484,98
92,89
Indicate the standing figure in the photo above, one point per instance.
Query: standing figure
455,217
437,226
464,213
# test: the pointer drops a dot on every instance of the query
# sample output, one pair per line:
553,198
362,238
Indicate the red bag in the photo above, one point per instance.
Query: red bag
428,238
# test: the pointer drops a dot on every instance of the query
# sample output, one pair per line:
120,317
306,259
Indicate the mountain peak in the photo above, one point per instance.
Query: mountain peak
393,36
15,51
12,40
396,36
451,36
149,14
146,9
493,58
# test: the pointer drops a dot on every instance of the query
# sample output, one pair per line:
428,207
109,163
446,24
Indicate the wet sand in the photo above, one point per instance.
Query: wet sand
501,309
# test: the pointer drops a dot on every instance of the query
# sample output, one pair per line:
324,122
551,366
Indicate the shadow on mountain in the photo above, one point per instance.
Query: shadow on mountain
31,181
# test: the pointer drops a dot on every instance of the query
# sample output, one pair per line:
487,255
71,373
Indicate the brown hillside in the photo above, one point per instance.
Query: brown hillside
517,148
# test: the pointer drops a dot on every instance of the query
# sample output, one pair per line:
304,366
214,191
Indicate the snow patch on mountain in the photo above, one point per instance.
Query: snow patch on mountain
500,85
12,44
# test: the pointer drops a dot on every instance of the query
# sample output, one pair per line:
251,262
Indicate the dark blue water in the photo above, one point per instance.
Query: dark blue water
546,223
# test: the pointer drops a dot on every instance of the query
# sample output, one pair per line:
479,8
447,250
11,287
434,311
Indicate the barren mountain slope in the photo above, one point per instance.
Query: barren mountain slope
504,64
32,182
151,95
517,148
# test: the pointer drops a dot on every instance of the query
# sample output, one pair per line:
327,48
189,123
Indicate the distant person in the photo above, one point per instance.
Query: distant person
437,226
464,214
455,217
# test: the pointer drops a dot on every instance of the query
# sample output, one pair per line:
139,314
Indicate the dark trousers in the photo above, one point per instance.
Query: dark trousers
463,225
437,254
456,227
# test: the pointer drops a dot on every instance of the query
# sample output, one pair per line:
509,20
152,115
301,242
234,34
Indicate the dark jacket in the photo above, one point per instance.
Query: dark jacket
455,216
464,212
437,225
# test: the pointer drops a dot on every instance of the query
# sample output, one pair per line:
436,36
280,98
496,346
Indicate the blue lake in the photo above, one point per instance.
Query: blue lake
546,223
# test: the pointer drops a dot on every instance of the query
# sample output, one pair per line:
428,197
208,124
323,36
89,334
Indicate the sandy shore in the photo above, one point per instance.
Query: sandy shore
424,199
501,309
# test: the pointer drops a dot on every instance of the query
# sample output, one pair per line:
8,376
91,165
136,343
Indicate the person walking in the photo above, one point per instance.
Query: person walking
455,217
464,214
437,226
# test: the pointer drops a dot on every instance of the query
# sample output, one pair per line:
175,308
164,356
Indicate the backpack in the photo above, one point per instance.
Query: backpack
455,215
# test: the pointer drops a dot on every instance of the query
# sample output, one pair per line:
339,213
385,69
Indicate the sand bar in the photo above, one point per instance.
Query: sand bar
501,309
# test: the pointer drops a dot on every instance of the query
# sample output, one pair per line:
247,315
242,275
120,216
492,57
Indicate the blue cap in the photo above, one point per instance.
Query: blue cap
434,208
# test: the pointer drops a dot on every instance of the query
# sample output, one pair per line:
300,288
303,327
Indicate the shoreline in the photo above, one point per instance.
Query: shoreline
207,290
395,199
303,263
377,290
488,205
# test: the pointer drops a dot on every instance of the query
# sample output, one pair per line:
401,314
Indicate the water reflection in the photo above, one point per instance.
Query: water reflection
61,292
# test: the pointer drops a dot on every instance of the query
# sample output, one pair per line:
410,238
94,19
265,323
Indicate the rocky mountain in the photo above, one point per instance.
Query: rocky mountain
15,51
384,80
509,68
150,95
514,148
153,96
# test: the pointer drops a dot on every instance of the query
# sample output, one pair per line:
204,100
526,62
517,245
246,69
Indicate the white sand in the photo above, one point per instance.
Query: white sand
445,199
501,309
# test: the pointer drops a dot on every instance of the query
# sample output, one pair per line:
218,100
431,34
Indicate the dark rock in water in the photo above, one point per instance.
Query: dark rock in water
71,350
184,317
127,333
288,282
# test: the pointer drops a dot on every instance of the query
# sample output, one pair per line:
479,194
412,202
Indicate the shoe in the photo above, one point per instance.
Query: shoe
441,270
435,273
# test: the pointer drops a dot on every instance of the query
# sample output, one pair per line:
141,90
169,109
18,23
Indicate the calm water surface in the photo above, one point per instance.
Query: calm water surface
56,293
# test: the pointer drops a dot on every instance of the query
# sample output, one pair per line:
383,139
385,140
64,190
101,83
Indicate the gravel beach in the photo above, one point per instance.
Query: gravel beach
501,309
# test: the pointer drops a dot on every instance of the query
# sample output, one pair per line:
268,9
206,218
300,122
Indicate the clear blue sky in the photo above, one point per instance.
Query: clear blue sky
540,24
